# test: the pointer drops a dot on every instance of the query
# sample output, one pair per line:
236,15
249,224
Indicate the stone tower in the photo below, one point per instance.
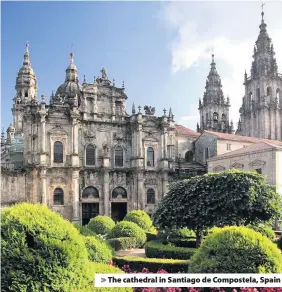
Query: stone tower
214,108
261,111
26,87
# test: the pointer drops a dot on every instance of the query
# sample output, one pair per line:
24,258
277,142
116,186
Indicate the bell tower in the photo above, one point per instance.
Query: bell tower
214,108
26,90
261,110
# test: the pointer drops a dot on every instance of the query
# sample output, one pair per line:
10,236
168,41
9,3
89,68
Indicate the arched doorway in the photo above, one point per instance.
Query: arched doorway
119,204
90,209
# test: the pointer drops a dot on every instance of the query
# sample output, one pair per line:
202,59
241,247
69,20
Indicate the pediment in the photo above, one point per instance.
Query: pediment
150,138
58,130
257,162
152,123
237,165
219,168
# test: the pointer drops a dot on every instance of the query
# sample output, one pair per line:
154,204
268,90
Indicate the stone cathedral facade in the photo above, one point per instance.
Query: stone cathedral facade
82,154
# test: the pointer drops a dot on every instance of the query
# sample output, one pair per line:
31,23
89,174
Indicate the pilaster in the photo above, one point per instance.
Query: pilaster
75,194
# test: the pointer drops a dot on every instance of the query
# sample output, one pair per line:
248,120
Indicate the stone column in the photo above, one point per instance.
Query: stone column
43,135
106,190
75,195
75,137
43,186
164,182
140,191
165,145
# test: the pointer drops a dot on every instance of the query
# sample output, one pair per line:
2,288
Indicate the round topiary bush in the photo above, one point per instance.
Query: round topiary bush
182,233
98,249
128,229
264,230
139,217
236,250
40,250
101,224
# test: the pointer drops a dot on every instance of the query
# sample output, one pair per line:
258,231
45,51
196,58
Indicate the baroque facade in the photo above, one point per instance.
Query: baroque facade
83,155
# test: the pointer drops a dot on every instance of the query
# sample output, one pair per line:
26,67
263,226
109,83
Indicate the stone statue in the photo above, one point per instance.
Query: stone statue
104,73
149,110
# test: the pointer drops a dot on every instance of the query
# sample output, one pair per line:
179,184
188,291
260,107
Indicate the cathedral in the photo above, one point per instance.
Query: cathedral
82,154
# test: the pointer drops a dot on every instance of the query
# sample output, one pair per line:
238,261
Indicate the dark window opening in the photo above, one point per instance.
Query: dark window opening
90,155
151,196
58,196
119,156
150,157
58,152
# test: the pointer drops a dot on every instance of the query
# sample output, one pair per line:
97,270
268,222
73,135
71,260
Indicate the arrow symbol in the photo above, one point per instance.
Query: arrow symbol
103,280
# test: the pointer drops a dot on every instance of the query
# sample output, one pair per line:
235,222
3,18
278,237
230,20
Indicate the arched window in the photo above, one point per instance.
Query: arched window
223,117
58,152
258,94
150,157
90,155
189,156
118,156
268,91
58,198
90,192
151,196
215,117
119,193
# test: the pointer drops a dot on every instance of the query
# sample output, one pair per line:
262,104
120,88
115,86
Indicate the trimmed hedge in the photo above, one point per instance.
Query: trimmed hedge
182,233
40,250
98,268
128,229
183,242
153,264
151,236
98,249
236,250
156,249
141,218
101,224
123,243
264,230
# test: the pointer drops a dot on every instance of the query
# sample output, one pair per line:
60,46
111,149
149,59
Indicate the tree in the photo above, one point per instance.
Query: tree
218,199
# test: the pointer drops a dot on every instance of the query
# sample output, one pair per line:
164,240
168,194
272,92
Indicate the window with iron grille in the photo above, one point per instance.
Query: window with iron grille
58,196
58,152
150,157
119,192
90,155
118,156
151,196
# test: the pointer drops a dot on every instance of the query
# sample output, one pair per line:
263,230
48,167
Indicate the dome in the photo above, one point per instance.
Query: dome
69,89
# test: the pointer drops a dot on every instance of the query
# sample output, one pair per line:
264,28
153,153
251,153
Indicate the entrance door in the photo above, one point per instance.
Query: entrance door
119,211
89,211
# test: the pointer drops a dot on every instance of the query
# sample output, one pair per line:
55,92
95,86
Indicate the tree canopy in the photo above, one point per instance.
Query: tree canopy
218,199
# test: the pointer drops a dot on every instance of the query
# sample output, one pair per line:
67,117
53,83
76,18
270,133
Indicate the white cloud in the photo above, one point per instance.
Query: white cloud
230,29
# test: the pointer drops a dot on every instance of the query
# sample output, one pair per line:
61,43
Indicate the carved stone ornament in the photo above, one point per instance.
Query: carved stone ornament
91,178
150,179
149,110
119,135
90,133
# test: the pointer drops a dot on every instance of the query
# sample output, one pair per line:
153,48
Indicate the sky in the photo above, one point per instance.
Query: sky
161,50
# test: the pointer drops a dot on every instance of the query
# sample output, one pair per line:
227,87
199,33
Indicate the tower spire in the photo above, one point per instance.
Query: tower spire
26,61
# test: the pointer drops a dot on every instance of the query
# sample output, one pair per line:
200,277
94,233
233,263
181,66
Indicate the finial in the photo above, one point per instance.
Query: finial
212,57
262,13
139,108
114,84
122,84
133,109
94,79
170,113
84,79
43,98
26,46
71,58
164,111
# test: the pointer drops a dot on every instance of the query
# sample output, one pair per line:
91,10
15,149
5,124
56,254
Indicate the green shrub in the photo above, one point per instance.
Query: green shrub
264,230
236,250
156,249
123,243
84,230
128,229
141,218
101,224
183,242
153,264
40,250
151,236
98,250
98,268
182,233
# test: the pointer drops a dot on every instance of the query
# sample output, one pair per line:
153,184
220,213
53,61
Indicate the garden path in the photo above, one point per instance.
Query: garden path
139,252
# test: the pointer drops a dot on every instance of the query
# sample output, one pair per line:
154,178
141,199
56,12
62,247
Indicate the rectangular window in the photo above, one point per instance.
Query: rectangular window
259,170
228,146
